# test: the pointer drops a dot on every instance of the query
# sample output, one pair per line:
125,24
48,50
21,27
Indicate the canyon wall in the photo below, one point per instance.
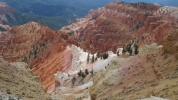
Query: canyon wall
117,24
45,50
107,28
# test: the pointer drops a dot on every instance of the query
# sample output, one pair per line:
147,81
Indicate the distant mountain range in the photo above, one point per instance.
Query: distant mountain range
53,13
162,2
59,13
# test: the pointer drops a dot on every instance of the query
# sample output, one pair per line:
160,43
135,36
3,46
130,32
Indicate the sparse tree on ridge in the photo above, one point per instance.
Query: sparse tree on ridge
93,58
105,56
25,59
128,47
136,49
98,54
92,71
118,53
130,52
73,80
88,57
124,50
80,73
86,71
83,75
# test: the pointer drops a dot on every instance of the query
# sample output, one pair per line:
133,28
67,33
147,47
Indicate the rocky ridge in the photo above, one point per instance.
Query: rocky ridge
48,51
119,23
151,75
135,80
5,10
40,47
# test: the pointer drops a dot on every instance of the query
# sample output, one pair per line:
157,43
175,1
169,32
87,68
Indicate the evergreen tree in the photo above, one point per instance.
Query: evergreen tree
80,73
35,53
83,75
118,53
105,56
136,49
86,71
25,59
98,54
88,58
130,52
124,50
93,58
128,47
73,80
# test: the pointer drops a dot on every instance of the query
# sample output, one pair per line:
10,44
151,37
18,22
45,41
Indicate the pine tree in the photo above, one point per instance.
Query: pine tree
98,54
86,71
35,53
118,53
73,80
92,71
93,58
105,56
83,75
88,58
130,52
80,73
136,49
124,50
25,59
128,47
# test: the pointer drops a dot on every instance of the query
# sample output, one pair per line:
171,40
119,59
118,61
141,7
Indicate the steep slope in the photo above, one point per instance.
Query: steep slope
58,62
151,75
5,10
147,74
116,24
17,80
49,53
45,50
4,36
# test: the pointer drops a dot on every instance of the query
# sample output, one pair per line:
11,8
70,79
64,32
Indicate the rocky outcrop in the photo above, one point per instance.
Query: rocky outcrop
61,62
116,24
45,50
170,43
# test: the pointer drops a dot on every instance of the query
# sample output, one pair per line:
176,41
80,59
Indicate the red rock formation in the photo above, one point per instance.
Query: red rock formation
48,51
45,50
58,62
170,43
116,24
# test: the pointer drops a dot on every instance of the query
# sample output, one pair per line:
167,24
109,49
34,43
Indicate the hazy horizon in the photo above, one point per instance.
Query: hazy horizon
162,2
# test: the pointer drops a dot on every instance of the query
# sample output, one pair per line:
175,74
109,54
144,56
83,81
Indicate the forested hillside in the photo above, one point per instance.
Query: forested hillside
53,13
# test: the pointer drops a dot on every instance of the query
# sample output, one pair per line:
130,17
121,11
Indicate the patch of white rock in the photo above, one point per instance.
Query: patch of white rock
168,9
154,98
